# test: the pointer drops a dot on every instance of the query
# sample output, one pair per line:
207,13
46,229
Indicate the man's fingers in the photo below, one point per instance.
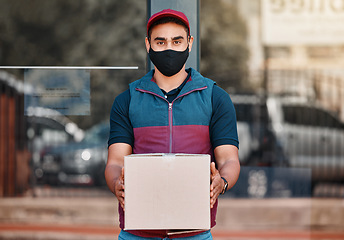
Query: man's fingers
212,201
119,189
215,187
120,197
120,185
122,203
214,194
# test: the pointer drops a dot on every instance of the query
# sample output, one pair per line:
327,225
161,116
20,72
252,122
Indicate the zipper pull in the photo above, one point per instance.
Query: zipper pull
169,106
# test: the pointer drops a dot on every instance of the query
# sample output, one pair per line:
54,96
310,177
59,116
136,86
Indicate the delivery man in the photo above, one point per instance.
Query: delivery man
172,110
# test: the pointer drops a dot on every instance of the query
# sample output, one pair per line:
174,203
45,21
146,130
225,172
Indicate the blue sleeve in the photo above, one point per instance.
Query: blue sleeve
223,125
121,130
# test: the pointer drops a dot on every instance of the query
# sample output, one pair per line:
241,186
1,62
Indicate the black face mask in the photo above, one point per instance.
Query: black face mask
169,62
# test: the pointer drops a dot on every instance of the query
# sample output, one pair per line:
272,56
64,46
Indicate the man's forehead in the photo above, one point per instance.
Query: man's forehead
168,30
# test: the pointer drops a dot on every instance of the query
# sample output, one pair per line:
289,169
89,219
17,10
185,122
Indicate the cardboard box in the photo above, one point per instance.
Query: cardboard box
167,191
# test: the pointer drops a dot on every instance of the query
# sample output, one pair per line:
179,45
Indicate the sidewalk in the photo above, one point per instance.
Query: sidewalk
97,218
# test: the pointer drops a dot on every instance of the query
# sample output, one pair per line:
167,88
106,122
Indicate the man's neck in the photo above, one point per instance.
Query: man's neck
169,83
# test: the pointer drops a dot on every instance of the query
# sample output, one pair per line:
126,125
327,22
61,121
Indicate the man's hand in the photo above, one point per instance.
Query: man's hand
217,184
114,171
119,188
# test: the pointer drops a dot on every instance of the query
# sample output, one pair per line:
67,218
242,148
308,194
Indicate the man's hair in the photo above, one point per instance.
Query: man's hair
167,20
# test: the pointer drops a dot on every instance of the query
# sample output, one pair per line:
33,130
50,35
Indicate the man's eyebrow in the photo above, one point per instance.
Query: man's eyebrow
160,39
164,39
178,37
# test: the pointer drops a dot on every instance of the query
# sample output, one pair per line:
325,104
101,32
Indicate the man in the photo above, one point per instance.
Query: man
172,110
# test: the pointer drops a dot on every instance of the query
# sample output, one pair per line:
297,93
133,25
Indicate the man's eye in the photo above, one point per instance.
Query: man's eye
177,42
160,43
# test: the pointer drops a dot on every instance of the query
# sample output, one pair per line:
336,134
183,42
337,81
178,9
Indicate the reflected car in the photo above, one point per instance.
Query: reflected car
81,163
259,145
311,136
279,131
290,131
260,151
47,128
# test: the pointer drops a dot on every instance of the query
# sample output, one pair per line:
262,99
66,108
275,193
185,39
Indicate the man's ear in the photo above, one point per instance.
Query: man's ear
191,39
147,44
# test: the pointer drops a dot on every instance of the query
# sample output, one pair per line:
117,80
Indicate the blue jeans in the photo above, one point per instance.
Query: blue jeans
128,236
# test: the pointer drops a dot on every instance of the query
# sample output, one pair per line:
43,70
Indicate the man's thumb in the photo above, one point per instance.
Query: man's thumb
212,168
122,173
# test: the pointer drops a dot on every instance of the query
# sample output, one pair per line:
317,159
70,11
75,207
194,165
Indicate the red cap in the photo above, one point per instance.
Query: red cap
168,13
